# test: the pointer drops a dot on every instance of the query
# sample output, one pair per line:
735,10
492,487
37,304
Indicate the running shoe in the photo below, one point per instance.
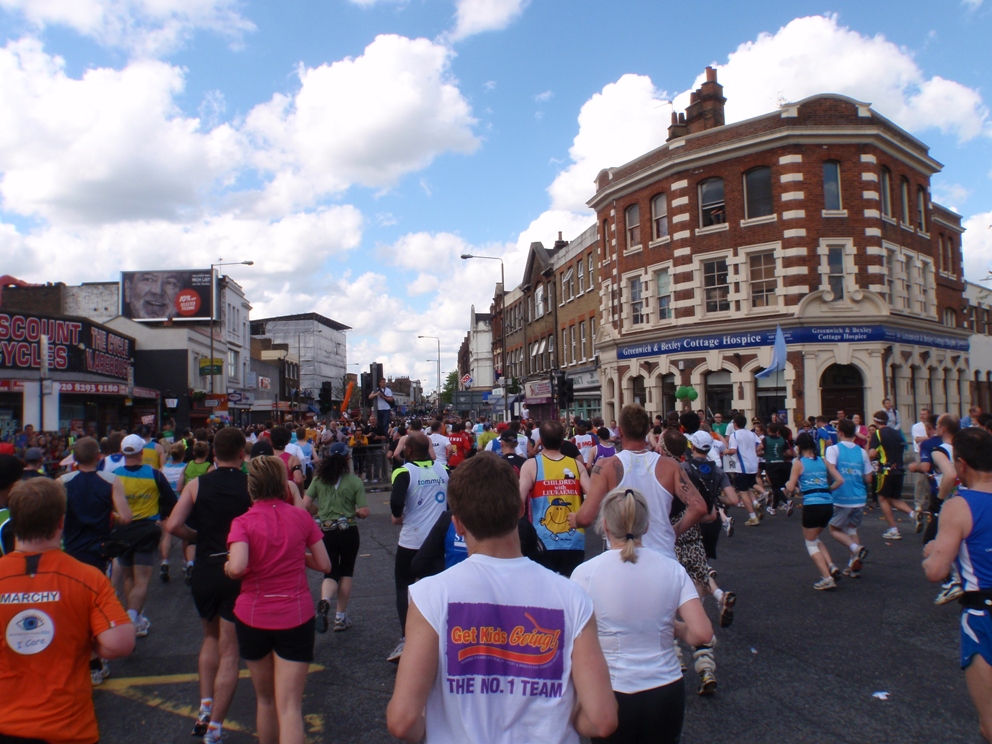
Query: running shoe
918,520
202,723
728,526
949,592
760,511
188,578
834,571
341,622
707,683
770,510
98,675
850,572
678,653
892,534
727,603
141,626
789,507
323,609
753,521
394,657
212,737
856,563
711,571
163,573
825,584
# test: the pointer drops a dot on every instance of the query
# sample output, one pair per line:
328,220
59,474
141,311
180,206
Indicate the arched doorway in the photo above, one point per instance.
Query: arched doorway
639,391
842,388
719,393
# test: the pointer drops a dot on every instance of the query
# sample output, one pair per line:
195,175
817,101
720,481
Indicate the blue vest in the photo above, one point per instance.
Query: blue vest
813,482
975,555
455,549
850,465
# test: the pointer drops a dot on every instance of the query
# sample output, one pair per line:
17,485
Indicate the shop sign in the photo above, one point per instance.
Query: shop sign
585,379
11,386
538,389
172,402
211,366
92,388
140,392
148,420
802,335
264,383
234,397
251,380
73,345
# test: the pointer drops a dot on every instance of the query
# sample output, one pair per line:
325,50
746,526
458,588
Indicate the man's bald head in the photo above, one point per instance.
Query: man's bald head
417,446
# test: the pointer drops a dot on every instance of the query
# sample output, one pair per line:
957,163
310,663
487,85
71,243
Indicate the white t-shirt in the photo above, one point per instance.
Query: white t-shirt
635,612
483,610
585,443
716,451
426,498
441,444
294,449
745,442
381,404
919,430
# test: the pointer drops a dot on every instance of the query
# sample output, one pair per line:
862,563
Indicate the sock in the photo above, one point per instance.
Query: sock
165,561
752,515
855,548
339,615
133,614
718,595
214,732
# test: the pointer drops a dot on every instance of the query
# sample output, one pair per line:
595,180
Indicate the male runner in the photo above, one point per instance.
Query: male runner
745,444
211,502
965,538
850,498
11,469
442,445
885,446
945,479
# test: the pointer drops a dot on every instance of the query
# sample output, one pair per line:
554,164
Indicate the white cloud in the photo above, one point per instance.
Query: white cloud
368,120
143,27
951,195
543,97
972,4
976,245
477,16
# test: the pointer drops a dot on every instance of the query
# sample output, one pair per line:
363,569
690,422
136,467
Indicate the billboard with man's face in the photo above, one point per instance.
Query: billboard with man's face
167,295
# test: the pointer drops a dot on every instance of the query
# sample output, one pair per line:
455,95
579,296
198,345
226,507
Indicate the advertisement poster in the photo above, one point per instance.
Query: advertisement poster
148,296
73,346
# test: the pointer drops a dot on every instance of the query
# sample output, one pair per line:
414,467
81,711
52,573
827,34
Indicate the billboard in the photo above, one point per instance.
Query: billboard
74,345
186,294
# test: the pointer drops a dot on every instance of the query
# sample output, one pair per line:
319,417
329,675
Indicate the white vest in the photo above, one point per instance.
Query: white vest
426,498
639,474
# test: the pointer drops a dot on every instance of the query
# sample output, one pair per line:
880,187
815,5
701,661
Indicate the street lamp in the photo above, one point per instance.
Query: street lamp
438,370
502,328
213,312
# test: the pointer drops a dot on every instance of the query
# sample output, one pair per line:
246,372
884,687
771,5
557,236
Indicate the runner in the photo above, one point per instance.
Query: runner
338,497
854,467
211,502
153,453
606,447
173,472
777,449
965,538
462,442
443,449
885,446
815,479
552,486
946,480
438,692
745,445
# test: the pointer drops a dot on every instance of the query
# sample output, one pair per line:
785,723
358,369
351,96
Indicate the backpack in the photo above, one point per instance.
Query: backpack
705,476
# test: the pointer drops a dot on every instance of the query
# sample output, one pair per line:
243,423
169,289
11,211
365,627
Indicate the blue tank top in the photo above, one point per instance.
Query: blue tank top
455,549
813,482
975,555
850,465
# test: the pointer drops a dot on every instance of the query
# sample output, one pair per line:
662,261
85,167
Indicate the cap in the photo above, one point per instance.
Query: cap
338,448
132,444
508,436
35,454
701,441
502,426
262,448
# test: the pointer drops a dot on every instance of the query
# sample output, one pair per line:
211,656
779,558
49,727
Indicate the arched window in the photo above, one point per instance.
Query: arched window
659,216
632,219
886,195
758,192
950,317
904,189
831,186
711,206
921,208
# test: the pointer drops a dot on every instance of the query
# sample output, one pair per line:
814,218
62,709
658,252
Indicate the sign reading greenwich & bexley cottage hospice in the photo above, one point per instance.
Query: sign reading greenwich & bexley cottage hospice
74,345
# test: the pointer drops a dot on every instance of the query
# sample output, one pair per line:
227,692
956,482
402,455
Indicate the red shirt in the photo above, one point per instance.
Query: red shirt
463,445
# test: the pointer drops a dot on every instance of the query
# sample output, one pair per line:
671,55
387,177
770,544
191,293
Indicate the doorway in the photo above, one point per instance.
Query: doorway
719,393
842,388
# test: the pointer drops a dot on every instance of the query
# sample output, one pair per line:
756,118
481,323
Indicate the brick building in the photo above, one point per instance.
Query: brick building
816,218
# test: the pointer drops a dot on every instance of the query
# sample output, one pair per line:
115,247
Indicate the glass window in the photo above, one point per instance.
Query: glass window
551,350
564,346
604,239
716,287
835,272
904,189
582,339
592,337
582,276
831,185
632,218
636,302
921,208
590,271
711,211
659,216
663,281
233,368
886,194
890,277
571,335
940,257
950,318
761,268
758,192
902,282
539,301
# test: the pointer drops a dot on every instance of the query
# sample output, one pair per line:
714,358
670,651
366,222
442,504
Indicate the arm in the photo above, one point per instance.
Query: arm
294,491
954,525
606,473
237,560
794,475
429,560
162,457
124,515
296,468
115,642
595,712
177,520
309,504
317,559
415,678
835,476
949,474
695,628
397,497
684,491
528,476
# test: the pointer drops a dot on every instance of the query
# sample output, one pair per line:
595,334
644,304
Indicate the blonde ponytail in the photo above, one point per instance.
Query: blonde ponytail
624,514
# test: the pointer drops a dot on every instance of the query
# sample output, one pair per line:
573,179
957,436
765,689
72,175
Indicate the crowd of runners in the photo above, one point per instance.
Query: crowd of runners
493,590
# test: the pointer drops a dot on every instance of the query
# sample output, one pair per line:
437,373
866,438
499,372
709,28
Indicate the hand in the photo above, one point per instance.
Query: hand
571,520
396,520
928,548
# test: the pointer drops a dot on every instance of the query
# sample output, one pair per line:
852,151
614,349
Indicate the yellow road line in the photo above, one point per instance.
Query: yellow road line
121,683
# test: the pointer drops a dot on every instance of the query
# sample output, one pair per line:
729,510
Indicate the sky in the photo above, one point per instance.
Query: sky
354,149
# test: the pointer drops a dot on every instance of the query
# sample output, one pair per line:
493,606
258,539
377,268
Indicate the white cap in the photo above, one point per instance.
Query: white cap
132,444
701,441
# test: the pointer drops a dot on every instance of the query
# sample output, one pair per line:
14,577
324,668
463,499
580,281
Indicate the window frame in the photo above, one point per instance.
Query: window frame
921,209
659,221
752,281
747,192
539,301
833,165
571,334
842,276
581,273
632,227
885,192
666,312
637,300
703,272
904,199
707,210
582,339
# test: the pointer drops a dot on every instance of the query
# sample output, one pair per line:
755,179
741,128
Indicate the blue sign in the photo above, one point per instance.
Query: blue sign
802,335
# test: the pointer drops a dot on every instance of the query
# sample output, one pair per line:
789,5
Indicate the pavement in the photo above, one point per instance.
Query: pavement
796,666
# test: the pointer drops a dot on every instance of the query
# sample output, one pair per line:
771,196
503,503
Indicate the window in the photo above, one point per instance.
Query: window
551,350
890,277
711,211
605,240
904,193
663,281
757,193
582,276
902,282
921,209
233,367
831,186
592,338
530,308
564,346
659,217
886,194
632,218
919,280
940,251
539,301
950,318
590,272
571,335
566,286
582,339
835,272
716,288
636,302
761,268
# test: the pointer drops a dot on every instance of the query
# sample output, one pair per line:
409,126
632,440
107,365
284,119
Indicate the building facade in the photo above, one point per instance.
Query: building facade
816,218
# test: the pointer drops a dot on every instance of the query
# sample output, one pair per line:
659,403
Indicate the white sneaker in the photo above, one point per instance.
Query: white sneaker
892,534
394,657
141,626
98,675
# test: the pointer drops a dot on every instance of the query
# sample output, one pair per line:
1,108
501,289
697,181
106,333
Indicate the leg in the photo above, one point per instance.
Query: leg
842,537
344,594
263,680
226,680
328,589
209,657
290,678
139,589
127,583
821,558
978,675
704,662
403,577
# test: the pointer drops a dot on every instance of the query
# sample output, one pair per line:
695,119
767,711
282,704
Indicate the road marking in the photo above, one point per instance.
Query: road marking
119,683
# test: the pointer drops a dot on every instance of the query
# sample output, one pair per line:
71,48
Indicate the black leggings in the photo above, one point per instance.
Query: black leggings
403,574
650,716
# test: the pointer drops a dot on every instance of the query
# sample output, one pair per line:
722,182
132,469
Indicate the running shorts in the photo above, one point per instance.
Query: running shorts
888,484
291,644
342,549
135,543
976,636
214,594
817,516
847,517
745,481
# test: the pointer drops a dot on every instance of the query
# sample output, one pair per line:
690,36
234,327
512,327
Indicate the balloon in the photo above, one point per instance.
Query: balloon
682,393
692,394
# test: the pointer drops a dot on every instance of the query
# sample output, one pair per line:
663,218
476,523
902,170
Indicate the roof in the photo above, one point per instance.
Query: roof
317,317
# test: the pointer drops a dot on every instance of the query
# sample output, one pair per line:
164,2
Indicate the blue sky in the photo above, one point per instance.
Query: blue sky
354,148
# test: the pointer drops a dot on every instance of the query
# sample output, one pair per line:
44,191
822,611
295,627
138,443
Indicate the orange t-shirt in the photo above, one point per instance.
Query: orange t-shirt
51,608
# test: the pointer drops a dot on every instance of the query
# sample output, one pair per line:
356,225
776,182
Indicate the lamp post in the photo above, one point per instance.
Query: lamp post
213,310
502,328
438,370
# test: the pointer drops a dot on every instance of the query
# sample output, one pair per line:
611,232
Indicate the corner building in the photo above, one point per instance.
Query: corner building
816,218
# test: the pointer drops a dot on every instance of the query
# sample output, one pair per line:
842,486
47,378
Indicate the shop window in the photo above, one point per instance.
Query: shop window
711,205
761,272
632,219
716,287
663,282
831,186
659,217
758,192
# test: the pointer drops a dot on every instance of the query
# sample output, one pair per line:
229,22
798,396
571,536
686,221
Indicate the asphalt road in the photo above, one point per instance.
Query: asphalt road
796,666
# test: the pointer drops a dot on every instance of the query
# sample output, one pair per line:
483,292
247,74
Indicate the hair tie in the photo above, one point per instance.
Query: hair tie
629,536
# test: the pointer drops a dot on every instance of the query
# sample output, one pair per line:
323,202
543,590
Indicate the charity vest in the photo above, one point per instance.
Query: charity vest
639,473
141,490
850,465
557,493
149,455
426,498
813,482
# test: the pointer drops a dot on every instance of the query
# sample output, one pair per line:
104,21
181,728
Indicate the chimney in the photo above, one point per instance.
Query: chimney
706,103
677,127
559,243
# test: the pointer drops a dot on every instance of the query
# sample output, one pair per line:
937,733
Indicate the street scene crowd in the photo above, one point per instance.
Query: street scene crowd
506,631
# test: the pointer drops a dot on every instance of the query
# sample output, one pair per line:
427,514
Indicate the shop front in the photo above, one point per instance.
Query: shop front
587,400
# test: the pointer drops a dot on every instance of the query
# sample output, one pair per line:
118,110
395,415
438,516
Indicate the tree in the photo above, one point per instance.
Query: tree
450,386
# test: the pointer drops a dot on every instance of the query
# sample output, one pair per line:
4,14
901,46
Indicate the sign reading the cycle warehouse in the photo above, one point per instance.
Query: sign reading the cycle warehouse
183,294
73,345
810,335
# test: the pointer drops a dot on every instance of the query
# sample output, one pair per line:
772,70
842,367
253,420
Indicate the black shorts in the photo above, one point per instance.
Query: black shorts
213,593
889,484
817,516
653,715
745,481
711,533
291,644
92,559
134,543
342,549
778,473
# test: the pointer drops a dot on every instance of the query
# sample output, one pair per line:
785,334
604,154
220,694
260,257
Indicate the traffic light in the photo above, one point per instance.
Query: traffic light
326,393
567,392
366,388
375,369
